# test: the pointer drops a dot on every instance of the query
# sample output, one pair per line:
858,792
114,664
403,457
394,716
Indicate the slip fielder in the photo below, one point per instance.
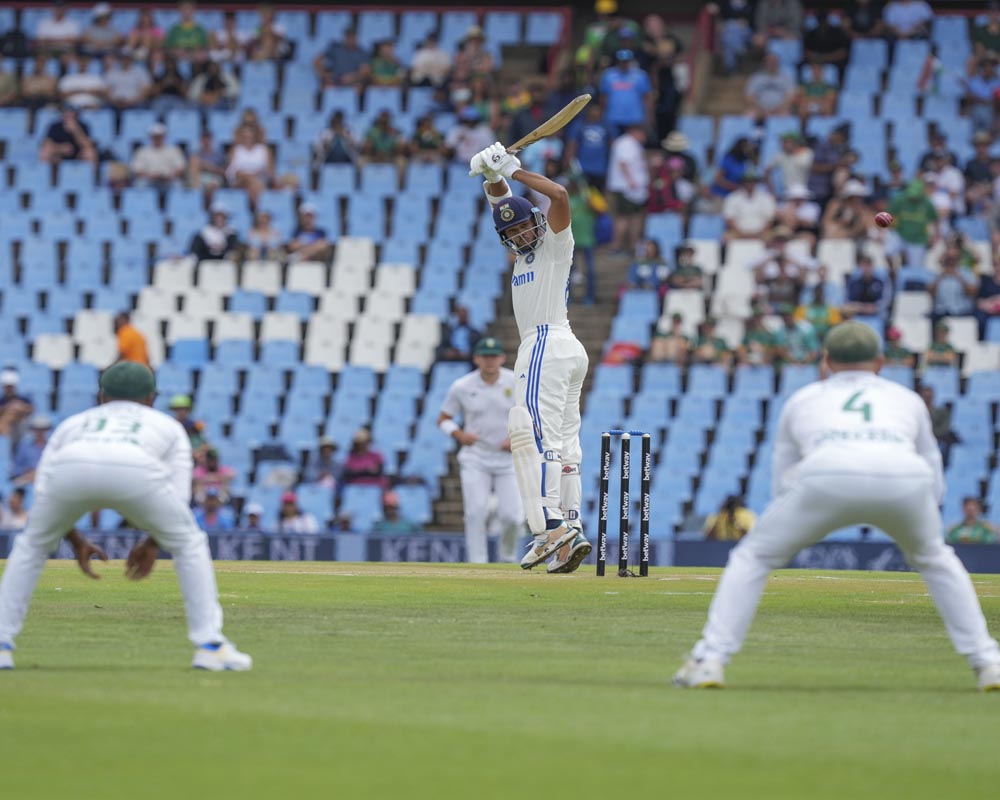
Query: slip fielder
123,455
483,399
852,449
544,425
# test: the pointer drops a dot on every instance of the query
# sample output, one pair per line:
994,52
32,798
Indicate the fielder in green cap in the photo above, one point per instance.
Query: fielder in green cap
127,456
853,449
488,346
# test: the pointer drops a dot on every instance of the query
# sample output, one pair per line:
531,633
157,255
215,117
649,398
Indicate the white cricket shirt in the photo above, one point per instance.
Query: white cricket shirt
122,432
483,408
850,414
540,284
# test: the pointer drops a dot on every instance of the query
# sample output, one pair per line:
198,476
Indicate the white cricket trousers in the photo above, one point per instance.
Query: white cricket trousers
892,491
479,483
148,501
551,367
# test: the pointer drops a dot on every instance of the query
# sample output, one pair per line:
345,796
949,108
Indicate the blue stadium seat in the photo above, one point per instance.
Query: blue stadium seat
244,302
543,28
363,504
192,352
234,353
296,303
631,329
705,380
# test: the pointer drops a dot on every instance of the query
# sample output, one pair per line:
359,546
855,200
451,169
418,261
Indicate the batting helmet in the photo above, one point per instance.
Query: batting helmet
513,211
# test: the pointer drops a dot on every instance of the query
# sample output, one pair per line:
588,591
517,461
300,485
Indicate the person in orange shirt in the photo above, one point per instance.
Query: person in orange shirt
131,343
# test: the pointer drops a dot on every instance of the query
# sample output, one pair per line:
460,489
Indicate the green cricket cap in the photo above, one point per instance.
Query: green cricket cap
852,343
488,347
128,380
180,401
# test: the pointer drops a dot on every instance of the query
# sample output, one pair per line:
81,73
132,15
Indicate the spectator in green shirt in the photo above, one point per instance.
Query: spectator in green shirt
583,224
941,353
795,341
986,38
383,143
894,353
687,274
818,312
386,69
709,348
915,221
973,529
187,39
758,343
392,522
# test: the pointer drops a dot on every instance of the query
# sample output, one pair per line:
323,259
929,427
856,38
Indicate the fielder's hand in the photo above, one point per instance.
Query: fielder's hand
84,550
141,559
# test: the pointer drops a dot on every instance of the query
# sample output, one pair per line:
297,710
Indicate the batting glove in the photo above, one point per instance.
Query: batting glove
508,166
482,164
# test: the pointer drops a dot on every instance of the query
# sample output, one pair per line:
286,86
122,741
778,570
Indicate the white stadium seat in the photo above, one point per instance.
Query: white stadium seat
707,254
174,273
915,333
261,276
839,256
326,327
342,303
327,354
731,330
91,325
182,326
233,326
100,352
913,304
425,327
372,353
278,326
689,303
307,276
982,357
202,304
385,305
399,279
156,303
354,250
740,253
963,332
351,277
55,350
217,276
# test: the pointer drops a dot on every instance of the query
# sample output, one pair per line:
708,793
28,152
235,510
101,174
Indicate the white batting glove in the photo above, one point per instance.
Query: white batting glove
508,166
482,164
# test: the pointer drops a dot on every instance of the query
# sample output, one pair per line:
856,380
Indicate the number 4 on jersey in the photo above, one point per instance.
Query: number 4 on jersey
864,409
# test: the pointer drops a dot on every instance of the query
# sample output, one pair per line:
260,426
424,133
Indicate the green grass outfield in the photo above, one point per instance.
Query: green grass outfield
404,681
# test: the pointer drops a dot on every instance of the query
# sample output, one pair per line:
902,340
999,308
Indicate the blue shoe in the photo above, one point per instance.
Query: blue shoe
6,656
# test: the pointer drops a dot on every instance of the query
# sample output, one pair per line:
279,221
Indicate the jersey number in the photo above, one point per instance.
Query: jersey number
865,409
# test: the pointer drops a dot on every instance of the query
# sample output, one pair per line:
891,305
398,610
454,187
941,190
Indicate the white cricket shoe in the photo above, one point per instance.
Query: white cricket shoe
545,544
221,657
988,678
700,673
6,656
570,556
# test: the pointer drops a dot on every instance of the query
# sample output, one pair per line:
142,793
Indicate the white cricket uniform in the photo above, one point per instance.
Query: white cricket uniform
550,368
486,467
136,460
852,449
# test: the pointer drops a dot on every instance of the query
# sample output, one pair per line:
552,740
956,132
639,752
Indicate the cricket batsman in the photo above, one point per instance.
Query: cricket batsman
544,425
852,449
125,455
483,399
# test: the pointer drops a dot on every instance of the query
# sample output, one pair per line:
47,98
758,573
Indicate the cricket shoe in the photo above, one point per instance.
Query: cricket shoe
6,656
988,677
570,556
545,544
700,673
221,657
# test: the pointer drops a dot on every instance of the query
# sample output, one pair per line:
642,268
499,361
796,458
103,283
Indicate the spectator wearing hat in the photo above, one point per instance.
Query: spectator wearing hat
212,475
471,135
650,270
670,344
626,93
430,64
894,353
791,164
795,342
15,516
128,81
750,210
229,43
907,19
392,522
769,92
941,353
253,516
916,222
29,451
735,29
866,291
335,143
211,514
363,465
758,344
57,33
827,43
180,408
343,63
677,146
972,529
131,342
687,273
818,311
472,60
158,164
738,160
383,143
669,190
309,242
953,290
848,216
628,183
14,408
799,214
100,37
186,39
781,278
68,138
264,240
708,347
323,466
216,240
214,89
459,337
269,41
816,96
292,519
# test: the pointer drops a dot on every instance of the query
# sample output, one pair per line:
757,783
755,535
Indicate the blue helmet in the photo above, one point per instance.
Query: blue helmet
512,211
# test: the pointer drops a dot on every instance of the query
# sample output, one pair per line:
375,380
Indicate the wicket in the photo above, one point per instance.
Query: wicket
625,503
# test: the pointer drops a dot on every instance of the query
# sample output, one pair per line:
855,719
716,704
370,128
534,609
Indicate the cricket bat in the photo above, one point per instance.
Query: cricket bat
552,125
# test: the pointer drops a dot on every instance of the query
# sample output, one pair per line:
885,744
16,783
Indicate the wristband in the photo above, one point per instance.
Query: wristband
448,426
494,199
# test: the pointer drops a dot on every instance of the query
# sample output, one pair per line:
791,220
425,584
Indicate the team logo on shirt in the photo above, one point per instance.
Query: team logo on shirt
507,213
509,392
529,258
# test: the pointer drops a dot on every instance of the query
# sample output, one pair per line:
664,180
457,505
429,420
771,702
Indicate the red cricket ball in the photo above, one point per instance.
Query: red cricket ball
883,219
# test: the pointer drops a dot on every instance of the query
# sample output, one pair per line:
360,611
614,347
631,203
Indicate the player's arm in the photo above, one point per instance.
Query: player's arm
498,167
450,409
558,216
